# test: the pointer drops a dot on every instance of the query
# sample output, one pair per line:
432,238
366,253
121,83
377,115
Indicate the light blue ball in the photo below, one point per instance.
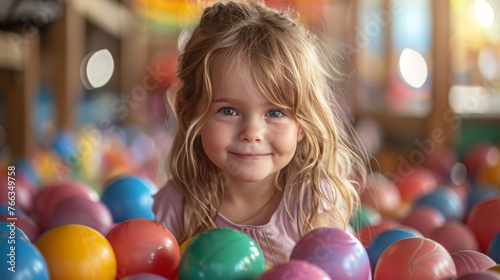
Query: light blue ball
25,259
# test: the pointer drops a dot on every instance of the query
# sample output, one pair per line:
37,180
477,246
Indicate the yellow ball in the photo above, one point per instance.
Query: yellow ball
495,268
185,244
77,252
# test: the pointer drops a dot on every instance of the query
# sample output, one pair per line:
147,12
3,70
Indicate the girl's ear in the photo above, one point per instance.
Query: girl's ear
300,134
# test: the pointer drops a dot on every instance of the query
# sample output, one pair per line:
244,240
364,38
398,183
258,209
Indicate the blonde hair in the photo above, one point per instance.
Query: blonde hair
290,68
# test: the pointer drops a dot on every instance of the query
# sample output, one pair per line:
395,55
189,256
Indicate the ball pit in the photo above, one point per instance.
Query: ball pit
26,260
380,243
471,261
454,236
494,248
484,222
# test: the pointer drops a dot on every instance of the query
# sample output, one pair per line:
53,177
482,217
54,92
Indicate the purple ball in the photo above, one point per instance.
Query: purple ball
297,270
336,251
480,276
145,276
83,211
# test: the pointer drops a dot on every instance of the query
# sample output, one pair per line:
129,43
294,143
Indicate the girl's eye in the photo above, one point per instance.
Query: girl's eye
228,111
275,114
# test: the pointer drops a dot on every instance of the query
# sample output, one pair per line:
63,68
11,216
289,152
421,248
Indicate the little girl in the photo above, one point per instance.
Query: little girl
262,146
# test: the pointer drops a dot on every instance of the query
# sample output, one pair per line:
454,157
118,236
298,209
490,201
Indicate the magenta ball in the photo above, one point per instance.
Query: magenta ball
471,261
480,276
336,251
145,276
297,270
83,211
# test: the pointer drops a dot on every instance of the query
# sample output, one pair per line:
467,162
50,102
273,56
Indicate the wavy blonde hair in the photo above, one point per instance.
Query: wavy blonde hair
290,67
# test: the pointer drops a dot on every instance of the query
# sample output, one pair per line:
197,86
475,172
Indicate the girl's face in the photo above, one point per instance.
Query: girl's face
245,135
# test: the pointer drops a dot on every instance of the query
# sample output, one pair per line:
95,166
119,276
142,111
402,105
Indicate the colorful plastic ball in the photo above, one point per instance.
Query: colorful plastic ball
490,175
380,243
50,195
471,261
454,236
418,183
337,252
415,258
381,194
129,197
444,200
486,275
25,260
480,156
364,216
83,211
24,191
484,222
222,253
297,270
145,276
184,244
77,252
424,219
494,248
495,269
481,192
144,246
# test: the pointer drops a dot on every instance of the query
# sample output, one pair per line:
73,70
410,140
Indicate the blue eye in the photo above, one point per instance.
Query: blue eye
275,113
228,111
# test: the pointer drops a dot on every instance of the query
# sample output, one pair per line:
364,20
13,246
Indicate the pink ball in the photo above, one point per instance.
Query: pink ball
24,223
479,156
49,196
454,236
381,194
418,183
81,210
424,219
471,261
337,252
480,276
298,270
415,258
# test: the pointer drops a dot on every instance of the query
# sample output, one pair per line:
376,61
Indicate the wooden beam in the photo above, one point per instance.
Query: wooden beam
18,87
441,113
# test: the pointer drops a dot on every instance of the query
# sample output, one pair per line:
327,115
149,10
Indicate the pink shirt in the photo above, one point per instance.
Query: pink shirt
276,238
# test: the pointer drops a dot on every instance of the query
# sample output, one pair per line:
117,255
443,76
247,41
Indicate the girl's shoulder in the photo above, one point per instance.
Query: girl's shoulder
167,207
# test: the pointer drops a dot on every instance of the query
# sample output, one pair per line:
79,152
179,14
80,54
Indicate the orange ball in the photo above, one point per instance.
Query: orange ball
77,252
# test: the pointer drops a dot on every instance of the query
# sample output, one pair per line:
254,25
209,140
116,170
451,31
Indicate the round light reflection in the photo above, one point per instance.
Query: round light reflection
484,12
100,68
413,68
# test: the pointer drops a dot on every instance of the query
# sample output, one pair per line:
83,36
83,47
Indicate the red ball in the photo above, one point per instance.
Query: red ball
24,191
424,219
415,258
420,182
484,222
480,276
144,246
471,261
24,223
454,236
298,270
480,156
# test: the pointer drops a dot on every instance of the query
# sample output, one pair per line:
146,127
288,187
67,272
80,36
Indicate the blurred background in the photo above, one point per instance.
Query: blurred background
83,82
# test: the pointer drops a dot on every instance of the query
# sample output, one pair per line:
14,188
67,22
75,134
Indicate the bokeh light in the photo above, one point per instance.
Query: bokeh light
413,68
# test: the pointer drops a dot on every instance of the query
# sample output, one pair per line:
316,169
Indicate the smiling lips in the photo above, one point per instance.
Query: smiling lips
250,156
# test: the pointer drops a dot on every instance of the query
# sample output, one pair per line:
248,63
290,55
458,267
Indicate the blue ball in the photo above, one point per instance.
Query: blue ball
494,248
129,197
445,201
25,259
384,239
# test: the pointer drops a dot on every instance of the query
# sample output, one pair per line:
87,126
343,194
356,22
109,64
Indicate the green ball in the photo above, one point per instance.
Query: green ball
222,253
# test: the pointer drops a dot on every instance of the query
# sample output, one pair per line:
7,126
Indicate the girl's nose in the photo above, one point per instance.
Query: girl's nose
251,131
